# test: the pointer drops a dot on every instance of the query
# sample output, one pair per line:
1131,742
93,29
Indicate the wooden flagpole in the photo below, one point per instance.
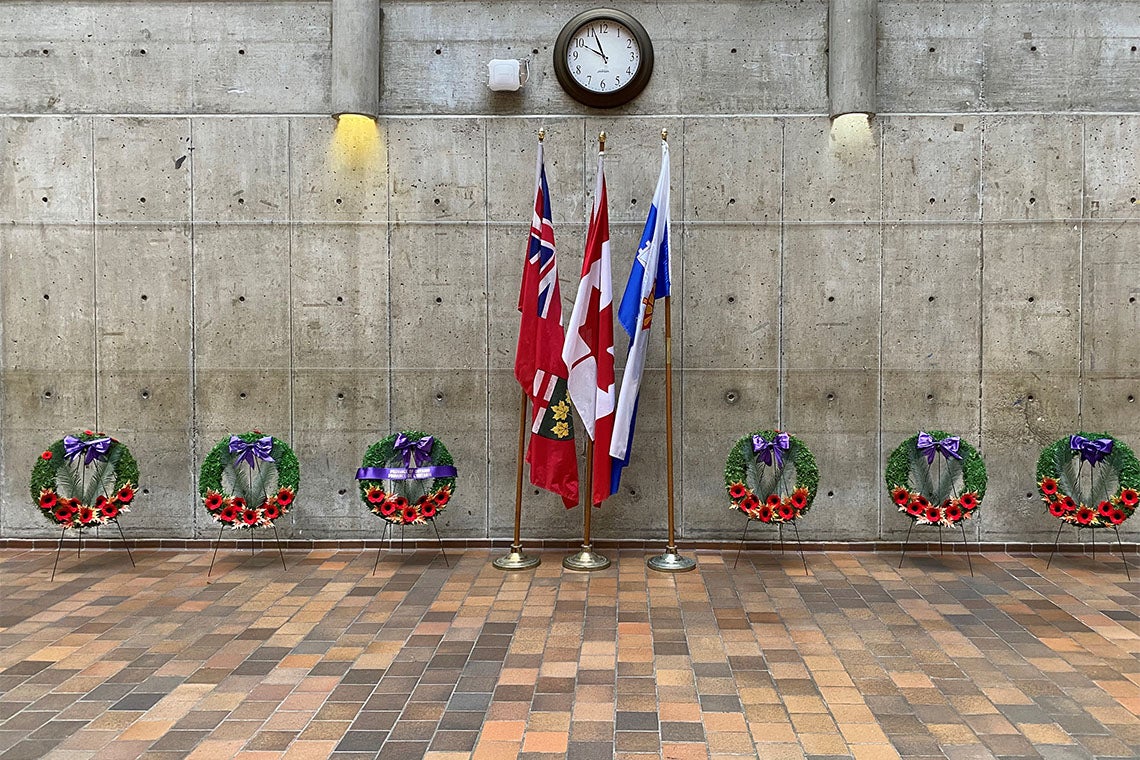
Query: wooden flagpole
670,561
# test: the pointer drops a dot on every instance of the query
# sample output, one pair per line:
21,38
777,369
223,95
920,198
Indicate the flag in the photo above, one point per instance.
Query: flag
589,348
648,280
539,367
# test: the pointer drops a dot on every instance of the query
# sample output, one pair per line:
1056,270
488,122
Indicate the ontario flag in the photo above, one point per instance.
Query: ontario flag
589,348
648,281
539,367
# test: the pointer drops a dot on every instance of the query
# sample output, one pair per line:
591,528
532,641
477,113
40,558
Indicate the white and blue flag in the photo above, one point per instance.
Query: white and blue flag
648,280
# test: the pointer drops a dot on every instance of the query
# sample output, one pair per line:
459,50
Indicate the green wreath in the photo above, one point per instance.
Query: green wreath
249,480
84,480
755,476
945,493
407,478
1113,488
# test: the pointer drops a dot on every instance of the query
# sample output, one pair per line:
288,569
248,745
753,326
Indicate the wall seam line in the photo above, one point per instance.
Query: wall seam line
882,325
194,434
94,277
487,322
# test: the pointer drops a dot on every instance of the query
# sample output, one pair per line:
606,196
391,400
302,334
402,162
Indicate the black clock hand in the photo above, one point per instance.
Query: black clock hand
600,51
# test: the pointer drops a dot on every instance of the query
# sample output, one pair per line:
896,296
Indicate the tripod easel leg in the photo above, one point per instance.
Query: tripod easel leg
1056,541
277,538
906,542
741,547
383,533
125,544
217,543
966,543
1118,543
800,546
440,540
62,533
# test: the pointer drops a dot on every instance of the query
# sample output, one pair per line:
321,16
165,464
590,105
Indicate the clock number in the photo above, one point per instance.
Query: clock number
573,55
588,78
602,84
605,28
629,70
577,69
629,44
579,42
617,81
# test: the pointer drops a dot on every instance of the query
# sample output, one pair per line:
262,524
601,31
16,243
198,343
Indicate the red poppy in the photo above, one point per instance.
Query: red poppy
214,501
375,495
64,512
1048,486
238,503
48,499
800,498
229,513
251,516
1104,509
1057,509
787,511
409,513
420,501
764,513
442,497
737,491
750,502
88,432
45,456
1084,515
933,514
900,496
109,511
1070,505
1129,497
968,500
400,502
914,508
953,512
271,510
1117,516
773,500
925,502
100,501
387,508
85,515
125,495
285,496
428,509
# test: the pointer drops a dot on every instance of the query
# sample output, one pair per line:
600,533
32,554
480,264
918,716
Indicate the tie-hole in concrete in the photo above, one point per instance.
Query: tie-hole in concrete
241,395
44,199
241,51
731,397
831,397
342,492
142,200
1030,397
1131,399
930,299
340,299
439,398
830,299
340,396
438,299
145,395
47,297
732,299
143,296
47,394
241,299
1030,299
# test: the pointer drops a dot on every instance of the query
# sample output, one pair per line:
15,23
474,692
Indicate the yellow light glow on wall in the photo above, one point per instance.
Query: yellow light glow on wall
356,143
851,134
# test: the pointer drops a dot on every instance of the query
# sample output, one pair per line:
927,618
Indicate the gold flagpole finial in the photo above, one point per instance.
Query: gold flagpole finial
601,142
541,134
664,135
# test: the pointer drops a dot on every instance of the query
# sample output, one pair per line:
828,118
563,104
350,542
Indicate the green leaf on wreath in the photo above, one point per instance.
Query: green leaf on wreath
67,483
919,474
947,481
103,476
1063,461
1104,484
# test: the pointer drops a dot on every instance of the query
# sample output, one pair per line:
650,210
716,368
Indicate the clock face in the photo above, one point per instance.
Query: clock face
603,57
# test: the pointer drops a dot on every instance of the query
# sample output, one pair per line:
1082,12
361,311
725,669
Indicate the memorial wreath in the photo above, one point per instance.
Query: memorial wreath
84,480
249,480
1113,489
756,476
942,494
407,478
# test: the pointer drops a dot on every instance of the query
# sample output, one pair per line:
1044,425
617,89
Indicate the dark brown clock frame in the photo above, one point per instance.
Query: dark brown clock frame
622,95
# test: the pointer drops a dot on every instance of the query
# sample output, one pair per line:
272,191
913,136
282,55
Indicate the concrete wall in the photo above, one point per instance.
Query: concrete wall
180,259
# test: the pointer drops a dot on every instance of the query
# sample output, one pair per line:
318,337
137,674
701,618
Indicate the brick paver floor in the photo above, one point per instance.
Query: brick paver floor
857,659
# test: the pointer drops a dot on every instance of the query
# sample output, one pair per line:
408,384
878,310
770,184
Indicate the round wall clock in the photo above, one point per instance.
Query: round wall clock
603,58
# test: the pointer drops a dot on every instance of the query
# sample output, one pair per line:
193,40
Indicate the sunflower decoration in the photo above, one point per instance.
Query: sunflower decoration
936,478
84,480
1090,480
771,476
407,478
249,480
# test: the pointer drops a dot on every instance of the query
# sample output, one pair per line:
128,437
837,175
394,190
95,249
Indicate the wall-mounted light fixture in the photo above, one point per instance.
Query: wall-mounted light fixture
356,58
507,74
852,51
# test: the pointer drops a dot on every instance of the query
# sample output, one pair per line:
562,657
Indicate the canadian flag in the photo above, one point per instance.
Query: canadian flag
589,347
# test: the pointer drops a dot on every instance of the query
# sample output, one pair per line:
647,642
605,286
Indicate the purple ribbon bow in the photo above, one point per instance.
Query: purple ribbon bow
1092,451
415,453
92,450
767,450
261,448
948,447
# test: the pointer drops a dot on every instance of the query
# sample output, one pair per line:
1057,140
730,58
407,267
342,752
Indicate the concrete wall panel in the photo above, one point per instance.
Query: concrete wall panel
241,167
826,183
1031,167
46,174
1110,312
931,168
1112,167
731,312
733,185
438,170
142,170
511,148
633,163
336,184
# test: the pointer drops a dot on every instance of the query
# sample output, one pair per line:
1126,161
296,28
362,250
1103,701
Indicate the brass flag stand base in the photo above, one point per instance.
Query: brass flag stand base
671,562
516,560
587,559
